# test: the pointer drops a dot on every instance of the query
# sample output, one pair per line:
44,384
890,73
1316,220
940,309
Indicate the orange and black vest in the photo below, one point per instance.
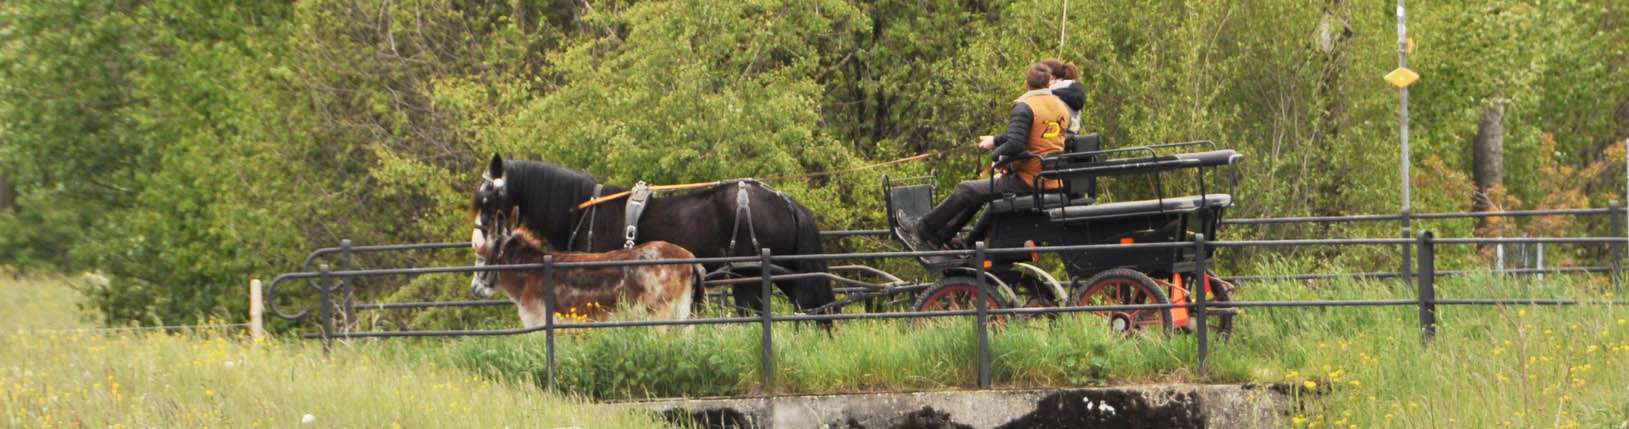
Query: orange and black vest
1045,136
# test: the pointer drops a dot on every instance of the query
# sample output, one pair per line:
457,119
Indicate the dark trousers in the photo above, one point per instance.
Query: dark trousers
965,201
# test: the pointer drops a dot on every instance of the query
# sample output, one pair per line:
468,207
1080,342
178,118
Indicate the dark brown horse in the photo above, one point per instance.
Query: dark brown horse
659,291
734,218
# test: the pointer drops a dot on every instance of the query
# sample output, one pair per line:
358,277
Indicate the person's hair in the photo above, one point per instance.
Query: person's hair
1038,76
1062,70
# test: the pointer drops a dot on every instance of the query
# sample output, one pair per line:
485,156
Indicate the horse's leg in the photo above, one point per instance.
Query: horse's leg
747,300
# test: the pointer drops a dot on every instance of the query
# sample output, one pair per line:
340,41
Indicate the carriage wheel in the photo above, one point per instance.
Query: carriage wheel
957,293
1123,286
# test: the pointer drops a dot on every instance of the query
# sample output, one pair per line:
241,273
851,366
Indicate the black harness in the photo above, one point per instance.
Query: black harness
571,243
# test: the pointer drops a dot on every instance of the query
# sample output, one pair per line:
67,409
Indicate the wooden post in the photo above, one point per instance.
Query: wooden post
257,312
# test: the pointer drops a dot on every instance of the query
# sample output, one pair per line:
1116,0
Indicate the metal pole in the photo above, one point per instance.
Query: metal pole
349,289
768,358
1199,299
1408,261
1428,288
1402,62
326,309
548,319
1402,120
983,316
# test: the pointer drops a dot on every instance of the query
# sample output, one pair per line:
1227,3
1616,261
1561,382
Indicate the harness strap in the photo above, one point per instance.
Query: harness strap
571,243
743,204
636,206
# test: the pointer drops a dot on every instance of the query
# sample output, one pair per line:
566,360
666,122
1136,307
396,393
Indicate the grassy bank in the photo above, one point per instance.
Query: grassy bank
52,377
1521,366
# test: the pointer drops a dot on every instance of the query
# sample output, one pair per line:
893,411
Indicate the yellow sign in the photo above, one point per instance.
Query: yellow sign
1402,77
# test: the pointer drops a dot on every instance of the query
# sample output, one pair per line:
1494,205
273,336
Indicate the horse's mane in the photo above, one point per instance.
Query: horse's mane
547,190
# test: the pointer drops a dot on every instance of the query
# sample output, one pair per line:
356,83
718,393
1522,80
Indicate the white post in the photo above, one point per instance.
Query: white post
257,312
1499,258
1540,262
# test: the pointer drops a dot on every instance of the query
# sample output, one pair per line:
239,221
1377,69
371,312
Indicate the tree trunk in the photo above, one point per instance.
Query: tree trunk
1488,163
8,197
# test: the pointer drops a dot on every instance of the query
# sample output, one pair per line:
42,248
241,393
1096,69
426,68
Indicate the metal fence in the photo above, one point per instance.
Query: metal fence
1425,282
349,307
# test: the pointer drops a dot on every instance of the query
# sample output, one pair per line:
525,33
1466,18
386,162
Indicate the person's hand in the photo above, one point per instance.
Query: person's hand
987,142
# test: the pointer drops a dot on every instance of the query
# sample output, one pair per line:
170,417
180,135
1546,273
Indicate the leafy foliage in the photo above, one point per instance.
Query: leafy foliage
181,146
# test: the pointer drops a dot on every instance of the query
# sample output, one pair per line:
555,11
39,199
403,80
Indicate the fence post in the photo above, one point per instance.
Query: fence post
983,330
1428,288
548,320
257,312
1617,247
1203,281
767,360
345,284
1499,259
1539,260
326,310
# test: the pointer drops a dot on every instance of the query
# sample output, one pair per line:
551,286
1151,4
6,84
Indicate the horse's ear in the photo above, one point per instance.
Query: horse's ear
514,216
494,169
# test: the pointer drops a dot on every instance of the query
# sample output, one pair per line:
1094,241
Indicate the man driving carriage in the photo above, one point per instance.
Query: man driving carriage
1036,127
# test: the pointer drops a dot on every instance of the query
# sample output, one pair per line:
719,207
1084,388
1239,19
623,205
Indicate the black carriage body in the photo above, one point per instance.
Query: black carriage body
1030,227
1069,213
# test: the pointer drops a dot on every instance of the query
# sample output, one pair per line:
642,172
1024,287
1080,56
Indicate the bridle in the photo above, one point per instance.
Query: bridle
494,230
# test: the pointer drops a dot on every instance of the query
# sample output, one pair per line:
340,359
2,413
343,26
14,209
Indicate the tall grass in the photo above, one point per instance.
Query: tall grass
1363,366
210,378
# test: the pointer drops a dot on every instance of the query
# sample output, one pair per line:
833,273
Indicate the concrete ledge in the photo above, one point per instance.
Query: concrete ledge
1148,406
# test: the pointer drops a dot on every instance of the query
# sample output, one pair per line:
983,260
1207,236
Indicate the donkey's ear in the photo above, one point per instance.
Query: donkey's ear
514,215
494,169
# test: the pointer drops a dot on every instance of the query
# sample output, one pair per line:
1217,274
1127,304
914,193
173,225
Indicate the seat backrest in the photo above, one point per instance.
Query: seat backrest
913,201
1076,144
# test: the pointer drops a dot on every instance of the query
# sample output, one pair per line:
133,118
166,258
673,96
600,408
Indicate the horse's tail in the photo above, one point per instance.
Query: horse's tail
817,291
697,293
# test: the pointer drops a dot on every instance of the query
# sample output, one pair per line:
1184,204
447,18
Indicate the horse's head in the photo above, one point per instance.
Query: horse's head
490,239
492,196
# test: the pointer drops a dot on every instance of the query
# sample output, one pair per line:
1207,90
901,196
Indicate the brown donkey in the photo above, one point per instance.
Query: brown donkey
659,291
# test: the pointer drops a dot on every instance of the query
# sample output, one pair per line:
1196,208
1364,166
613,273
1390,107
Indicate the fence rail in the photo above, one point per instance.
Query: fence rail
1425,282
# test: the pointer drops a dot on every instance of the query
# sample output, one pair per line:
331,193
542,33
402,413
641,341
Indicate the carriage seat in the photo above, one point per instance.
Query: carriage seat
1027,202
1143,207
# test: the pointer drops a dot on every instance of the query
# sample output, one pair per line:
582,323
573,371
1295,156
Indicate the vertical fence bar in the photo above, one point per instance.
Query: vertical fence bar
1199,299
549,309
1428,288
1617,247
326,310
983,316
767,360
347,287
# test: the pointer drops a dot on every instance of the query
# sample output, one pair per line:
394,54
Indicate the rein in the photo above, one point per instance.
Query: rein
683,186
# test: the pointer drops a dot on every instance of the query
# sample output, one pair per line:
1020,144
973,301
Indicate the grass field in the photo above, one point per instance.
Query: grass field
53,377
1518,366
